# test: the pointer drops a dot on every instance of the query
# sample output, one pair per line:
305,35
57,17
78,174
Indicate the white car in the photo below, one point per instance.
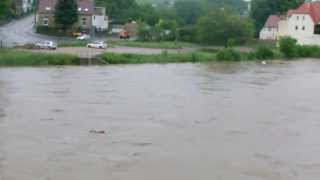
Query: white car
83,37
99,45
47,45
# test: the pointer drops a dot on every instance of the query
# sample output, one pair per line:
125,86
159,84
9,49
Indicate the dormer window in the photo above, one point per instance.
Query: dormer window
48,8
86,9
79,9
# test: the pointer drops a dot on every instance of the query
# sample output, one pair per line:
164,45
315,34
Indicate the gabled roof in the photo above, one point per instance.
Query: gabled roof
85,7
272,21
311,8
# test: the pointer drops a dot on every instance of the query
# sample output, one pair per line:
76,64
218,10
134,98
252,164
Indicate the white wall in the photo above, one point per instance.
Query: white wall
100,22
269,33
283,28
300,26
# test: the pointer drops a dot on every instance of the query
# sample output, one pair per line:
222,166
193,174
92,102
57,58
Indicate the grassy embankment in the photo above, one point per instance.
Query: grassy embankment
288,49
160,45
10,57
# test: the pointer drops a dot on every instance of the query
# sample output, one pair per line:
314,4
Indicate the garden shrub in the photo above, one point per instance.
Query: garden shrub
228,54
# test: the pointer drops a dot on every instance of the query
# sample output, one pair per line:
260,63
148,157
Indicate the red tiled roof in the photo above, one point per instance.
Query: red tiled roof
272,21
311,8
48,6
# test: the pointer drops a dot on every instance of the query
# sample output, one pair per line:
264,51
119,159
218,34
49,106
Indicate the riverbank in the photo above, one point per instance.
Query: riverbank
11,57
288,49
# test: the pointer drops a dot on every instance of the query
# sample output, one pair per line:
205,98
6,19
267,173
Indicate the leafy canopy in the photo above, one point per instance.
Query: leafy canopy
222,26
6,9
66,13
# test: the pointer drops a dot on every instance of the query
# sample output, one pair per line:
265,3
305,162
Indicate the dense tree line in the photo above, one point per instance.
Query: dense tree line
6,9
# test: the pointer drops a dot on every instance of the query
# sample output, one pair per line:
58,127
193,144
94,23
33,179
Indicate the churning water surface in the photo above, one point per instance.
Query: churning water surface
221,121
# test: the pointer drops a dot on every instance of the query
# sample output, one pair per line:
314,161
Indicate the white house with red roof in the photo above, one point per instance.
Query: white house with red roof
270,29
301,23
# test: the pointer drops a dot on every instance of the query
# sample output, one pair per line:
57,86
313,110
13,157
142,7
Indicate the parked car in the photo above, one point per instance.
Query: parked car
97,44
83,37
46,45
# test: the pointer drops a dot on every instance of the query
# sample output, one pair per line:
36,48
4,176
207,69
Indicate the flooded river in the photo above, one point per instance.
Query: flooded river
241,121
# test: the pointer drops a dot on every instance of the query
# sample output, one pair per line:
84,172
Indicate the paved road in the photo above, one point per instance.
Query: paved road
20,32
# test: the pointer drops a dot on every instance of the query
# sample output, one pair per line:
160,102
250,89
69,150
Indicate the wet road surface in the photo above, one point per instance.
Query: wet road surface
177,122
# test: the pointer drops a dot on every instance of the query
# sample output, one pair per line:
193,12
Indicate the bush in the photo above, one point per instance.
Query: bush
264,53
289,47
228,54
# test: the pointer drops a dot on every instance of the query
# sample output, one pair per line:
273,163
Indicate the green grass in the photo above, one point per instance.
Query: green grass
10,57
161,44
113,58
73,43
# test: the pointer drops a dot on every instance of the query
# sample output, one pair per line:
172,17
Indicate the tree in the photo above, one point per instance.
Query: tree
66,13
6,9
189,11
223,26
166,30
119,10
262,9
238,5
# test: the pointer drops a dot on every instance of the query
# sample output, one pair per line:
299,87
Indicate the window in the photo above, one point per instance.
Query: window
297,27
303,18
297,17
79,9
45,21
269,29
84,21
303,28
94,17
48,8
86,9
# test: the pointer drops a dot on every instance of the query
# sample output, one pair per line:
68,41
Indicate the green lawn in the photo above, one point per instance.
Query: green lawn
199,56
11,57
160,45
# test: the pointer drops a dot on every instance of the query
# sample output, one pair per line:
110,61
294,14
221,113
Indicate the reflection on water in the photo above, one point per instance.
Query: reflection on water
179,121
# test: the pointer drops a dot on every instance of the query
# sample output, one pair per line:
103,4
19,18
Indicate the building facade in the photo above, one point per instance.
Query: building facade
100,21
23,6
302,24
46,11
270,29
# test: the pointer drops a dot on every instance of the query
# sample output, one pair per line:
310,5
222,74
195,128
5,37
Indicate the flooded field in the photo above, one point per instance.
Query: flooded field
241,121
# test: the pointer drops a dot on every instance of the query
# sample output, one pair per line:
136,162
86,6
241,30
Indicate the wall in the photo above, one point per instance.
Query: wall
300,26
40,18
269,33
100,22
283,28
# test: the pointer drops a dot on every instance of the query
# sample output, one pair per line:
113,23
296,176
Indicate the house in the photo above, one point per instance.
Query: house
302,24
131,28
270,29
100,21
46,11
23,6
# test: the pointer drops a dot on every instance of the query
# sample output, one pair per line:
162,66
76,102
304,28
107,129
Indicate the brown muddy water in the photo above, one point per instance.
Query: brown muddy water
241,121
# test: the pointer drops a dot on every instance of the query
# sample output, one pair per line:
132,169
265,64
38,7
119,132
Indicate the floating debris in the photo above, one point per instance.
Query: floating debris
97,132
